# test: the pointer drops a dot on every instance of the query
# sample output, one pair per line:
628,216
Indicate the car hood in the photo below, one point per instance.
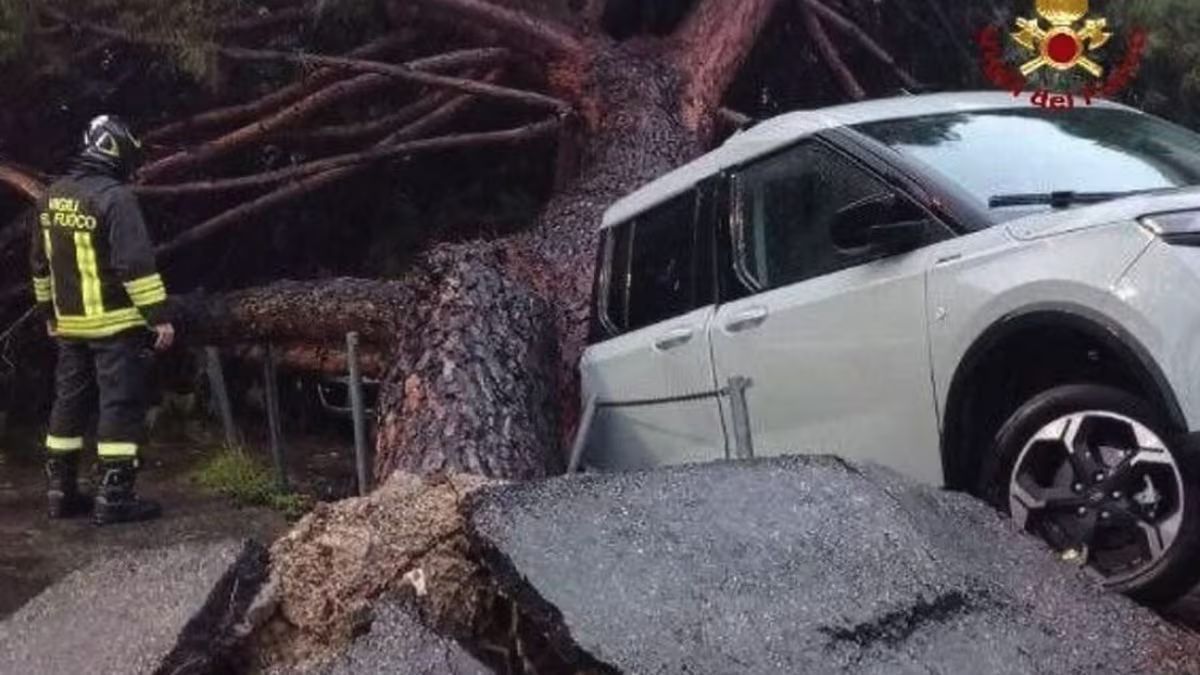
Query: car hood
1053,223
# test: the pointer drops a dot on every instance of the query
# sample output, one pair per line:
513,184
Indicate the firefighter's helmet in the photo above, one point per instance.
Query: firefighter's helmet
109,140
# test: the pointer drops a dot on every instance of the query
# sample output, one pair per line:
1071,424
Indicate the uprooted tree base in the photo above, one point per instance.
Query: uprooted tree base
407,541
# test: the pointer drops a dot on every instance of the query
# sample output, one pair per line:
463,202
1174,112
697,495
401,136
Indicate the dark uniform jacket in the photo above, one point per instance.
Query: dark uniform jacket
92,258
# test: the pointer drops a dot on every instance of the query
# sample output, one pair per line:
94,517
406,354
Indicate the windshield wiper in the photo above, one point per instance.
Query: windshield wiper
1060,200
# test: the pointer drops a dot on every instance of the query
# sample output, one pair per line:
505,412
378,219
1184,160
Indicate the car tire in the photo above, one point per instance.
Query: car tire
1129,459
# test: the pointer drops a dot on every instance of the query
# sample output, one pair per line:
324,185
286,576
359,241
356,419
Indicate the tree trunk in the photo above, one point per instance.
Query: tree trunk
642,117
641,136
471,385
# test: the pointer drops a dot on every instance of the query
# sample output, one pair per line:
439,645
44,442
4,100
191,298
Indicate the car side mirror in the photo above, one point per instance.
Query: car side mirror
882,223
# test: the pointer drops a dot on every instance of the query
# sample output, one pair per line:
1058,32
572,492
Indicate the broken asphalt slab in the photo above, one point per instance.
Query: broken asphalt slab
170,610
800,565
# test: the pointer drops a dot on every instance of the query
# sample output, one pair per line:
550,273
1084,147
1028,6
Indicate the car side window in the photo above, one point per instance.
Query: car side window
648,272
661,266
784,209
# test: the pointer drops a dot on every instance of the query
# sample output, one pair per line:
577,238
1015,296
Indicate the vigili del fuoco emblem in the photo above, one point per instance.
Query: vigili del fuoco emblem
1062,55
1064,45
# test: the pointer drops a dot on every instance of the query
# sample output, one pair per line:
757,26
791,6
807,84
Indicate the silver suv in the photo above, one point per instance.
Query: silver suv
976,292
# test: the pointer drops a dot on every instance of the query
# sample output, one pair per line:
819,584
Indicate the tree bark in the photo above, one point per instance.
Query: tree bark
329,360
473,384
714,42
284,312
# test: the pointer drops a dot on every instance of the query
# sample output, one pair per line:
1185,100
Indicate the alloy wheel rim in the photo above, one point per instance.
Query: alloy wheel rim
1102,489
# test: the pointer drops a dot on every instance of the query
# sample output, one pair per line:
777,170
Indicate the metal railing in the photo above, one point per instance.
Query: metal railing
739,412
270,375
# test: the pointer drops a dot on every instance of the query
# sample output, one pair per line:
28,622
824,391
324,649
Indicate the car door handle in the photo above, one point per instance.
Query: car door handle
747,319
673,339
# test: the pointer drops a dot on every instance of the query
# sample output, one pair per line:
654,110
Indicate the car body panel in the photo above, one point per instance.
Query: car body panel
1055,223
641,421
1162,294
984,278
840,365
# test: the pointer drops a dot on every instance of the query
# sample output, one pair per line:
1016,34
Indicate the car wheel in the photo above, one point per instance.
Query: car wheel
1092,471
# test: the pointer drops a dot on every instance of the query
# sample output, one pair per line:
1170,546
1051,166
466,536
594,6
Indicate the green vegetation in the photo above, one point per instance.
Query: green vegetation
237,475
186,25
14,23
1169,81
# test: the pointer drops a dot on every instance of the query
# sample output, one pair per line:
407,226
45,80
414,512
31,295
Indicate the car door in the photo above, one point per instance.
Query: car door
650,370
833,342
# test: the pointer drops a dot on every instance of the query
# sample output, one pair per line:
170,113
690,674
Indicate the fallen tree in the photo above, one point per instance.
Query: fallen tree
480,340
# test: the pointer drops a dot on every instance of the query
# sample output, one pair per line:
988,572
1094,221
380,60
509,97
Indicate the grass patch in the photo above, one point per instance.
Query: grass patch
237,475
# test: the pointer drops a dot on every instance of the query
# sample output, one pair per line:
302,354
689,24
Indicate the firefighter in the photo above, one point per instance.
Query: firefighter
94,278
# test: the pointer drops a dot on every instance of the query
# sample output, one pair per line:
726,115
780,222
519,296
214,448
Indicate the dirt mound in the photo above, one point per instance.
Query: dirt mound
406,537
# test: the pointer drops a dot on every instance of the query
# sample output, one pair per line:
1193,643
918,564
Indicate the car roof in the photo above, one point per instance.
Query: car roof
783,130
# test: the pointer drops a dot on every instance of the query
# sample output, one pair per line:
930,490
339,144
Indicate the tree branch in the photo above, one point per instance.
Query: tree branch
593,11
360,131
315,358
481,139
528,98
735,119
522,30
713,44
854,30
298,189
23,181
399,72
237,114
832,57
194,157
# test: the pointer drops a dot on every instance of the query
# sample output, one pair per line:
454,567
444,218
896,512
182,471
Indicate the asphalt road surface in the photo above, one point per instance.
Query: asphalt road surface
802,565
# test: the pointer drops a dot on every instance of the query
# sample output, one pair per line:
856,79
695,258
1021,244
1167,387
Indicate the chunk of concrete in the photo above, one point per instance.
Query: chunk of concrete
801,565
169,610
400,644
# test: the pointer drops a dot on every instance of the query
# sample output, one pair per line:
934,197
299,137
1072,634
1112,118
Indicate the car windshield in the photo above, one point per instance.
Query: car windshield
997,154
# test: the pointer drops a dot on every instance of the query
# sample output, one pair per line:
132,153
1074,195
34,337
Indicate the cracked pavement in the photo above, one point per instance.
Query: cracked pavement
801,565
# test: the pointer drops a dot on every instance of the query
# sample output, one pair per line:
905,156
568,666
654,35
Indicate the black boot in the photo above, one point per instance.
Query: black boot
62,487
117,502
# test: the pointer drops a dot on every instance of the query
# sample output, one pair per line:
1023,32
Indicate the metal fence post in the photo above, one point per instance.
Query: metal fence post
361,461
216,381
271,384
581,434
740,412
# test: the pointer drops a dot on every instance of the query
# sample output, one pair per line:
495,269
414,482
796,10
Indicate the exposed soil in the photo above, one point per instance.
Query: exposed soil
328,572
